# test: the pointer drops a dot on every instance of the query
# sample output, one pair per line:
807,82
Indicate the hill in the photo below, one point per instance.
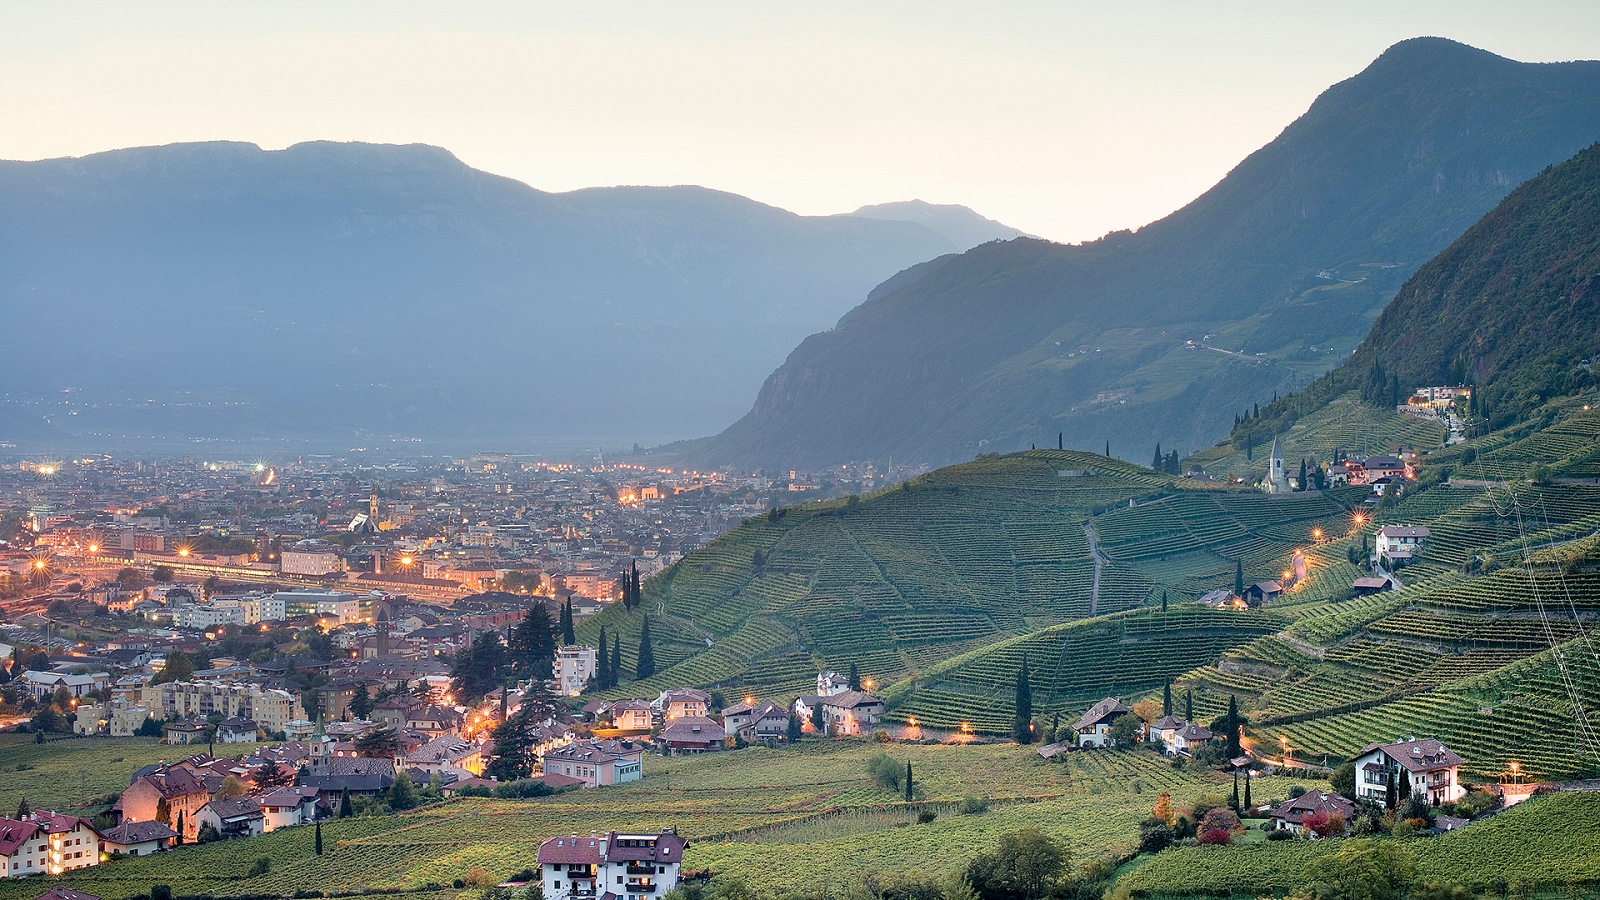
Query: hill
329,291
1511,306
1162,334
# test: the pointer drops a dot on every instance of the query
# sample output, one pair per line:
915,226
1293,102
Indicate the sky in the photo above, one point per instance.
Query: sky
1066,120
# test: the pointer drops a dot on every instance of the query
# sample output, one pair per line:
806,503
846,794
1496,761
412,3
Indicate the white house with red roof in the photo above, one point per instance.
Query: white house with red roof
48,843
1434,771
1094,728
1400,542
611,867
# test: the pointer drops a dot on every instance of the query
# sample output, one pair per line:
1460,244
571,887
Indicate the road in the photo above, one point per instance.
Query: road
1094,551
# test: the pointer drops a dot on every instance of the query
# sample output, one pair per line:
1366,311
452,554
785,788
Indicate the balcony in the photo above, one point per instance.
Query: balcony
640,869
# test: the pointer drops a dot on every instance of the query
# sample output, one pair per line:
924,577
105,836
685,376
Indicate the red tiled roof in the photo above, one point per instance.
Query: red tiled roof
571,851
14,834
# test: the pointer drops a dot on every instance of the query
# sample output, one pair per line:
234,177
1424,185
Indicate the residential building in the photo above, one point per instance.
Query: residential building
1094,728
1433,770
619,866
43,684
286,806
1400,542
691,734
184,792
73,842
447,754
851,712
574,667
632,715
237,731
310,558
192,731
235,817
110,719
137,838
597,762
1291,814
23,850
680,702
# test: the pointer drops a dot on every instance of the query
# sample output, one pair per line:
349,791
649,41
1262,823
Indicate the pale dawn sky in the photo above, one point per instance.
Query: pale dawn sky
1063,119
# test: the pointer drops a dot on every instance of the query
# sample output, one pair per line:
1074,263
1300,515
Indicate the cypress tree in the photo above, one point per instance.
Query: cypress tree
645,665
1157,465
1166,699
179,829
855,678
1404,778
816,717
1233,726
1061,439
1390,800
1024,703
908,779
1163,601
1108,448
1247,801
1188,705
792,732
567,634
1234,802
345,809
319,837
1303,484
1238,578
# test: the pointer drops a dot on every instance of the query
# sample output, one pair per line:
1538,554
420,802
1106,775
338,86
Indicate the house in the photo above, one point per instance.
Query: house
43,684
573,668
23,851
597,763
183,791
1178,735
1094,728
680,702
1400,542
1291,814
632,715
618,866
1262,591
1371,584
768,721
237,731
1433,770
190,732
1380,467
851,712
74,844
234,817
447,754
137,838
435,720
392,713
736,717
691,734
830,683
287,806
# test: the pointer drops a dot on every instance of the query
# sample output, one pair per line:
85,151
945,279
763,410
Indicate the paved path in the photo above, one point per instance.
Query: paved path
1094,551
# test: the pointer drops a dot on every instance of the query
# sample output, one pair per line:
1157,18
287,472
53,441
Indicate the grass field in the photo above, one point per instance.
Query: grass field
65,773
1550,842
798,817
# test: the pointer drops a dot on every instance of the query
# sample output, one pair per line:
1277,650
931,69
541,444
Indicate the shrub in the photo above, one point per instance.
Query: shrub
1297,791
926,816
1279,834
884,771
1204,804
973,806
262,866
1154,835
1221,818
477,878
1022,867
1217,837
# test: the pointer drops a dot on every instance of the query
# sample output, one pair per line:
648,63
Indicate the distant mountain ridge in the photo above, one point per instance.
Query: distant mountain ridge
329,292
1162,335
960,225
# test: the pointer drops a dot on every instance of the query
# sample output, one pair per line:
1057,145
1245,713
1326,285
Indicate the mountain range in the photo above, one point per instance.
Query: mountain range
331,292
1164,334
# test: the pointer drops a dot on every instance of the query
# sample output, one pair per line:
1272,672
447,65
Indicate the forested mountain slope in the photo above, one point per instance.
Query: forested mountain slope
1163,334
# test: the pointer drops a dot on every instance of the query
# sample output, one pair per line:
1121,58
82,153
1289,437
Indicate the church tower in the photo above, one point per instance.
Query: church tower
1277,480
